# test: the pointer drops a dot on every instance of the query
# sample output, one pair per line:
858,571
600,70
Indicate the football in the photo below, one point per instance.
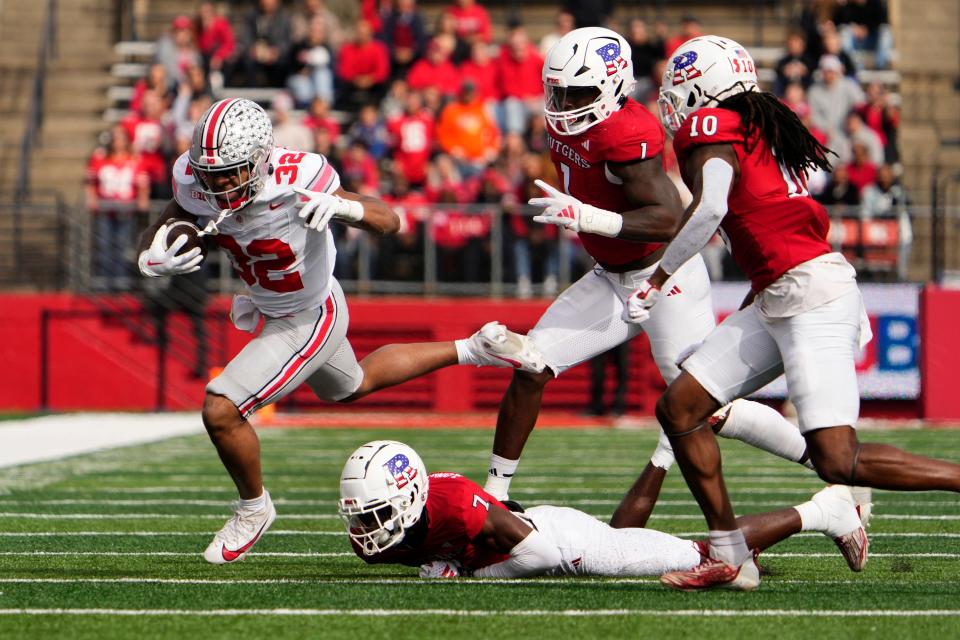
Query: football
178,228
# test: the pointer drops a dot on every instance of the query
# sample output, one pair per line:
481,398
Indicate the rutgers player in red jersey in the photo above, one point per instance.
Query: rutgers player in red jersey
269,210
607,151
744,156
448,526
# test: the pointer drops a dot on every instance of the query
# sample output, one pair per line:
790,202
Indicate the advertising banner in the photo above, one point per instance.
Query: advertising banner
888,366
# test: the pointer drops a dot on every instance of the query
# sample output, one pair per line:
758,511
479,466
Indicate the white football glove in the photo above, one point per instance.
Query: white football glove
441,569
566,211
321,207
244,314
639,303
160,260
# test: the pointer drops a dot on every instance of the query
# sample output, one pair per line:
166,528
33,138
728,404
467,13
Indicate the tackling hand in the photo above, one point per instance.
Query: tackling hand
566,211
321,207
640,302
160,260
441,569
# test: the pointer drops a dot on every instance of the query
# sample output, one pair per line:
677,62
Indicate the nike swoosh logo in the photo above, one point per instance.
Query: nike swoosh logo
230,556
151,263
275,205
513,363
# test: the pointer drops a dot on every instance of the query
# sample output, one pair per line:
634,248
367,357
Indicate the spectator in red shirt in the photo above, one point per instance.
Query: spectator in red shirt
214,38
473,21
363,67
117,189
359,170
318,117
400,256
482,71
689,28
860,170
435,70
411,137
519,68
151,139
157,81
883,117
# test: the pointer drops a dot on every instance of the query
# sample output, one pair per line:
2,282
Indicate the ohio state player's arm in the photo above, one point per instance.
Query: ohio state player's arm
715,170
171,211
658,207
531,553
378,217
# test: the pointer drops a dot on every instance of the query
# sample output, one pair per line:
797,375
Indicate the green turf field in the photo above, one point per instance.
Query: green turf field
108,546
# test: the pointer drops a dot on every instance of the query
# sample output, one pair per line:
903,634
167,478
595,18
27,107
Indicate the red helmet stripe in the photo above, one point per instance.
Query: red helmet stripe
214,122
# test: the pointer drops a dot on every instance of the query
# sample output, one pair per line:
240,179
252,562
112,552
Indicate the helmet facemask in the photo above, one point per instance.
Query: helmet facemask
378,524
251,175
571,120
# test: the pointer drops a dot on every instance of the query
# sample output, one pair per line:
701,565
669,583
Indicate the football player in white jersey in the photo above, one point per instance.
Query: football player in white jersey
269,208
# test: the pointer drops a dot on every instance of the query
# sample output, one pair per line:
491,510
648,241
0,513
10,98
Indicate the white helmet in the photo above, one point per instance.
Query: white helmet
592,62
701,72
232,135
383,492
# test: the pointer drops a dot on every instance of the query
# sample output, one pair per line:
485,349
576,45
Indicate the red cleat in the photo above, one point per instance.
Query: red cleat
716,574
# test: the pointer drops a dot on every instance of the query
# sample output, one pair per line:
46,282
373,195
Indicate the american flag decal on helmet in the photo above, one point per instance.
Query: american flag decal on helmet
610,53
399,467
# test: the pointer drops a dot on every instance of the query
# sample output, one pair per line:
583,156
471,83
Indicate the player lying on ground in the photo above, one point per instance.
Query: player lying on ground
448,526
745,156
269,209
607,150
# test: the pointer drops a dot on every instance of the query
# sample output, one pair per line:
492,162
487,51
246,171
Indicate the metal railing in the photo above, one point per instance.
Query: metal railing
30,139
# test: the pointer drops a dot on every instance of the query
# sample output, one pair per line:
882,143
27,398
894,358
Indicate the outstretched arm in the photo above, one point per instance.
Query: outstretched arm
530,552
646,186
377,218
370,214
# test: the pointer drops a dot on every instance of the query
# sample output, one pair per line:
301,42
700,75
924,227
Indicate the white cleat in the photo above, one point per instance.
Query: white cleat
863,496
242,531
844,525
497,346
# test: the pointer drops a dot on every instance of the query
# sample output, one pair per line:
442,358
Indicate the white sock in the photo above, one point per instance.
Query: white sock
764,428
255,504
499,476
465,354
729,546
811,516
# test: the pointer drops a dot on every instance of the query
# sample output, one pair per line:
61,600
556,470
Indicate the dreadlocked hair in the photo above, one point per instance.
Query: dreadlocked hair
789,140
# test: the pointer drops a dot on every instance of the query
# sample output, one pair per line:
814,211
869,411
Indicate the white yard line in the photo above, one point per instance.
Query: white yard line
483,613
178,554
652,581
295,532
336,554
85,534
59,436
323,516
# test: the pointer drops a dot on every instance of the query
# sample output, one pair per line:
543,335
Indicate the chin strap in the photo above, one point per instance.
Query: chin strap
212,228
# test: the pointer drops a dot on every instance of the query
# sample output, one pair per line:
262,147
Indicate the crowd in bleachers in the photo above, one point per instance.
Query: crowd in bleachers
433,116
